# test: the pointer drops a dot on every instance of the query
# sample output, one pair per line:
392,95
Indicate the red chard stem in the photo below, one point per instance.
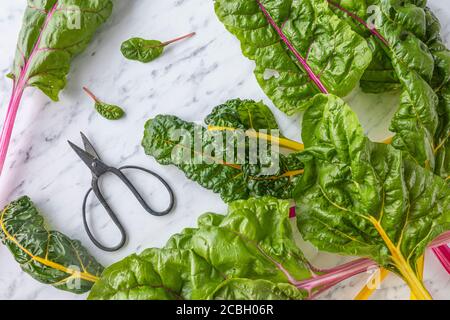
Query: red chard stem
178,39
90,94
315,78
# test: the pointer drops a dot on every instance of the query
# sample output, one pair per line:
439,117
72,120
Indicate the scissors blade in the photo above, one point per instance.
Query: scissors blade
87,158
88,147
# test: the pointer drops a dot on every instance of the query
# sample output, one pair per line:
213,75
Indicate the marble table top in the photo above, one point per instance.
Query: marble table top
188,81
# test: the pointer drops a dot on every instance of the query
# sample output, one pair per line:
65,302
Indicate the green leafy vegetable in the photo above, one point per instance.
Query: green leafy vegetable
146,50
364,198
410,36
441,84
53,32
107,111
416,121
173,141
48,256
301,48
249,254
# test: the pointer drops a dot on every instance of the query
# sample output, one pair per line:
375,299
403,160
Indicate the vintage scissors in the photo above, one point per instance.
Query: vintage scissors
98,168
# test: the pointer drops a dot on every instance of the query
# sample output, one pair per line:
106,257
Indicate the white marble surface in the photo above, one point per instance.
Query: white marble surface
187,81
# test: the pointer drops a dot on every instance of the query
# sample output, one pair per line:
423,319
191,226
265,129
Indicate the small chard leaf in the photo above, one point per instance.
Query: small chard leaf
249,254
48,256
364,198
142,50
309,48
235,178
107,111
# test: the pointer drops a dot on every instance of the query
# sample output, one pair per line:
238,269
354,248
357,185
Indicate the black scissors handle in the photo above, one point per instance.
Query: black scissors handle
112,215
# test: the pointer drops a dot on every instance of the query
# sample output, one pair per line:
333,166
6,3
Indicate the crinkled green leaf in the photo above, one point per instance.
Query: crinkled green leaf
410,15
242,114
142,50
48,256
359,189
275,175
441,83
248,254
422,122
245,289
336,55
422,64
109,111
380,76
53,32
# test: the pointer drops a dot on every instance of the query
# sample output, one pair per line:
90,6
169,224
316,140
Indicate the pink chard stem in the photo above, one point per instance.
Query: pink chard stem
373,30
90,94
178,39
443,254
441,240
323,279
315,78
441,250
8,126
318,284
19,86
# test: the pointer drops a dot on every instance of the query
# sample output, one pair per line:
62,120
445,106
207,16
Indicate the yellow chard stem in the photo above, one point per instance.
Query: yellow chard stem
44,261
282,142
388,140
420,268
408,274
367,291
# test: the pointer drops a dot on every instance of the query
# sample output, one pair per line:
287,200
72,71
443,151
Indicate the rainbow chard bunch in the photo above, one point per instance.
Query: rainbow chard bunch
354,197
385,203
53,32
407,54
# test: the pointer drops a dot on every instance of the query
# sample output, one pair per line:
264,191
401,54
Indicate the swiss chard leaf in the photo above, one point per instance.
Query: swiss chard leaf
301,48
48,256
365,17
441,84
364,198
145,51
109,111
410,35
53,32
171,140
142,50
